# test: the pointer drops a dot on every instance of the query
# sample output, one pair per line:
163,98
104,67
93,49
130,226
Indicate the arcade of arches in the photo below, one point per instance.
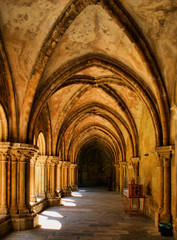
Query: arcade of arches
87,98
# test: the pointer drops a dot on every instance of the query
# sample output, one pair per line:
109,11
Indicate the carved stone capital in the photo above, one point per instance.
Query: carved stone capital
165,151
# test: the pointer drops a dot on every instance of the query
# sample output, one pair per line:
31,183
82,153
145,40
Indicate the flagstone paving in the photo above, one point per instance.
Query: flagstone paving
90,214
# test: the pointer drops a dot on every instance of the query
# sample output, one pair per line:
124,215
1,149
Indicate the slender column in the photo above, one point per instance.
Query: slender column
76,175
61,175
36,180
69,175
53,179
33,197
43,179
40,178
3,195
135,162
122,164
117,176
164,153
160,181
166,214
14,207
48,178
174,111
65,175
22,187
58,177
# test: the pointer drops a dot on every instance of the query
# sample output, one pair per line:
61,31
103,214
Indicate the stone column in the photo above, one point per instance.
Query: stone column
69,175
64,175
17,181
58,177
166,214
51,177
22,190
160,181
174,115
135,162
61,175
122,164
75,177
3,183
14,207
41,175
116,165
48,179
164,153
33,197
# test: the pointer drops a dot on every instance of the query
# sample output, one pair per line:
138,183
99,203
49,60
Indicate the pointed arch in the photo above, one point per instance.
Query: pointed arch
3,125
41,144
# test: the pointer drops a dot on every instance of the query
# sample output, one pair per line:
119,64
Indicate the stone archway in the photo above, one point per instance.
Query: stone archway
95,165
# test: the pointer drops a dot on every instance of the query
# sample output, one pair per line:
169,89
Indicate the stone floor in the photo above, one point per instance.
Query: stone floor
90,214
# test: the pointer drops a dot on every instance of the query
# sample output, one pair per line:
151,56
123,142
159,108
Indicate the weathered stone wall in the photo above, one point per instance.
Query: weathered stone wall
147,167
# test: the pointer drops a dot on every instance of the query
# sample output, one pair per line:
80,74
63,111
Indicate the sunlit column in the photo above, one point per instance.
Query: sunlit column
43,178
22,187
117,176
164,154
40,178
121,176
135,162
58,177
41,175
3,183
61,175
69,175
48,178
33,197
65,175
53,179
14,207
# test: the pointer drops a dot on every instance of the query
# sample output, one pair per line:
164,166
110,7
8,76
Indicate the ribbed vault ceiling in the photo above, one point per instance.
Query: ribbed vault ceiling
91,68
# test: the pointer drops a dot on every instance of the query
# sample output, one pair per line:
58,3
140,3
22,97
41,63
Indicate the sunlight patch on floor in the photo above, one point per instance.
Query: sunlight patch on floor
52,214
47,223
68,203
76,194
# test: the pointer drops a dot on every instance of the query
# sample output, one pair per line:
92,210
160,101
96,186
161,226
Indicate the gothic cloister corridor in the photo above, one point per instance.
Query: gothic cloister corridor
88,97
90,214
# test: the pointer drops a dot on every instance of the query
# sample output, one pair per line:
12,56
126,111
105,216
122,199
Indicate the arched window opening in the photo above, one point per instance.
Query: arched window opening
41,144
3,125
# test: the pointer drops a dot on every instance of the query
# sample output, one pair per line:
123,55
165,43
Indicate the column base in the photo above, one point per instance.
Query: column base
157,220
42,194
165,217
54,201
67,192
74,188
23,210
24,221
33,198
5,225
175,227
